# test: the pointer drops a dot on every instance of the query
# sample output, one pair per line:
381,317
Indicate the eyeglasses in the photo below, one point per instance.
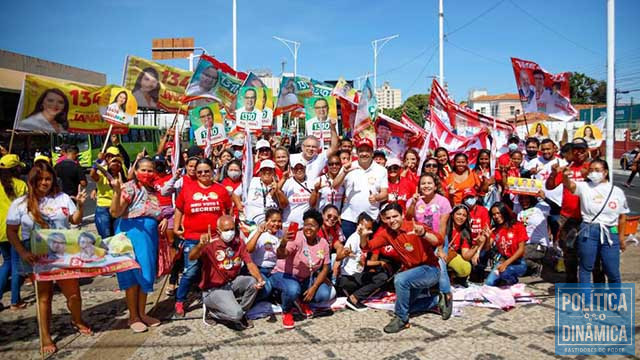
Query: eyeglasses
332,217
430,165
201,172
334,163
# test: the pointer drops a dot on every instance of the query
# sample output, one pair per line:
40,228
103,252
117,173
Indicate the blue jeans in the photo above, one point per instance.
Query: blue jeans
412,290
265,292
7,269
510,275
189,273
104,222
443,281
291,288
348,228
589,247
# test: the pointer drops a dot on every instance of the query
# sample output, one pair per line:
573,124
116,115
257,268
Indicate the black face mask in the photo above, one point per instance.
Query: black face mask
532,153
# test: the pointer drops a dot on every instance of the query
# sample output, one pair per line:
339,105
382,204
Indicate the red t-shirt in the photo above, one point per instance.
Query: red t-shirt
402,191
158,184
221,262
388,252
454,241
508,238
231,185
201,207
412,249
332,235
571,202
504,159
479,219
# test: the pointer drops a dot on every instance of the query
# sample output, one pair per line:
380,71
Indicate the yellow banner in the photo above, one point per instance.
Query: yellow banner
59,107
156,86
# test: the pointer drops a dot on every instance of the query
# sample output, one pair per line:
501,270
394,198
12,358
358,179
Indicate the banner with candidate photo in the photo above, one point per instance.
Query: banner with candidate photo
345,90
543,92
55,106
156,86
71,254
293,91
207,126
247,114
118,105
319,111
394,137
363,123
265,99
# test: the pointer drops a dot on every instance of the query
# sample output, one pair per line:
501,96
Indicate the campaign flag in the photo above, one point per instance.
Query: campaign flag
441,136
319,111
363,124
543,92
393,137
56,106
248,114
207,126
70,254
344,90
118,106
524,186
348,98
156,86
293,91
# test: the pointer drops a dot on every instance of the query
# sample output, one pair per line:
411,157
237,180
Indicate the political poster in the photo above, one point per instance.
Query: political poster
70,254
55,106
265,100
591,134
247,114
524,186
541,91
121,106
319,111
207,125
393,137
156,86
363,123
293,91
348,98
343,89
539,130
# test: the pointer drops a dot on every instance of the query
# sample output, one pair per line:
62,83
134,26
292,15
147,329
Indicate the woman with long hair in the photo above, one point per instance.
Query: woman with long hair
410,162
510,237
461,178
46,207
442,155
49,114
461,248
483,170
12,188
324,193
137,209
147,88
401,188
428,207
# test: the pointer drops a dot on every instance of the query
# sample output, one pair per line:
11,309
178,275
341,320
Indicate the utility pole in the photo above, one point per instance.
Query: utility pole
441,38
235,38
611,81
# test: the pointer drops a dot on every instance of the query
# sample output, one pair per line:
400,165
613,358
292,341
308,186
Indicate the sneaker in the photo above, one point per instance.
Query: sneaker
357,306
207,320
179,309
304,308
446,306
287,320
396,325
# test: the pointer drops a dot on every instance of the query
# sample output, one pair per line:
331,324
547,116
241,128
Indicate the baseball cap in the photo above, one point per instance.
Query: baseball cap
267,164
158,158
237,142
261,144
579,143
113,150
364,142
469,192
394,161
10,161
298,160
42,158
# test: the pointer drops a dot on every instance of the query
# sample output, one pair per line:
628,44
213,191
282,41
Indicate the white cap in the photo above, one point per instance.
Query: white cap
237,142
394,161
298,160
262,144
267,164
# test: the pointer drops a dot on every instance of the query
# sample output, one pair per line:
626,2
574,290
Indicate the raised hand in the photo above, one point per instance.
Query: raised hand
81,196
417,230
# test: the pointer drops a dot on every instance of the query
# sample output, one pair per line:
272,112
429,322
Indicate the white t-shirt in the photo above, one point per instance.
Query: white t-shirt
355,262
592,199
314,167
543,174
258,200
535,220
264,254
298,194
329,195
321,130
359,184
55,211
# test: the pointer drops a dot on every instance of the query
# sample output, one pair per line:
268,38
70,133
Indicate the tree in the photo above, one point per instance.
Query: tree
587,90
415,106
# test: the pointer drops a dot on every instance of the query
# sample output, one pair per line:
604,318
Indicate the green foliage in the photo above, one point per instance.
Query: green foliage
587,90
415,107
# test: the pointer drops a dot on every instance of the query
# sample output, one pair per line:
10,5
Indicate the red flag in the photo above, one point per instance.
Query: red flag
441,135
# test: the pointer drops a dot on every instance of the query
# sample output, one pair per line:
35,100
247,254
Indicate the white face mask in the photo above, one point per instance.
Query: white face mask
513,147
234,174
470,202
595,177
227,236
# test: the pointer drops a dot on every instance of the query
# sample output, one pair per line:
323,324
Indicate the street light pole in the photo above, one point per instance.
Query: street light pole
294,51
611,81
235,38
374,43
441,39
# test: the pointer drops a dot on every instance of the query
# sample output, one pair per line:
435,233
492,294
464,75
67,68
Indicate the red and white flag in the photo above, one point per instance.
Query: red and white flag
441,136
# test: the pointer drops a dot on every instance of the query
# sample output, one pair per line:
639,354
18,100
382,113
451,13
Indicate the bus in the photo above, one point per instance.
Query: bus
137,139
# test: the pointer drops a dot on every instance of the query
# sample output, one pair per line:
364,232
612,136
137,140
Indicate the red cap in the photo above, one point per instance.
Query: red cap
469,192
364,141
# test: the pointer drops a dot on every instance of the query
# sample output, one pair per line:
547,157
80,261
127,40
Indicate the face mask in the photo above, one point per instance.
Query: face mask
227,236
237,154
470,202
233,174
595,177
532,153
513,147
146,179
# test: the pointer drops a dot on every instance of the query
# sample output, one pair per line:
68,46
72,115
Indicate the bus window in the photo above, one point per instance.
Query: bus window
134,135
97,141
143,135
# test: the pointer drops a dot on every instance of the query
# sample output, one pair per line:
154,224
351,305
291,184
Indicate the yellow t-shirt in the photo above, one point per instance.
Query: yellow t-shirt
105,192
20,188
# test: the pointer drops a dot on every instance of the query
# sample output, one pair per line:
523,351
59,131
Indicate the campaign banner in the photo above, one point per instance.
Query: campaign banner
55,106
344,90
293,91
541,91
363,123
156,86
524,186
121,106
207,125
248,114
71,254
319,111
539,130
591,134
392,137
441,136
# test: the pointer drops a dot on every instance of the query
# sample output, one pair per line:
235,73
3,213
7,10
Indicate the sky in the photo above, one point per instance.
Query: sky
481,36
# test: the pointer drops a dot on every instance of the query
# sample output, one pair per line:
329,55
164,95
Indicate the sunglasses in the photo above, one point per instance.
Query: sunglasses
332,217
201,172
431,165
334,163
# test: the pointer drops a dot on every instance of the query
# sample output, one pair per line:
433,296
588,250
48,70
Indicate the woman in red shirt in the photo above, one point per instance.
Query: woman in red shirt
483,170
401,188
411,161
510,237
442,155
462,248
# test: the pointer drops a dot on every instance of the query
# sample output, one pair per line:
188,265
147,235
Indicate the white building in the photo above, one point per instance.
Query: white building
388,97
502,106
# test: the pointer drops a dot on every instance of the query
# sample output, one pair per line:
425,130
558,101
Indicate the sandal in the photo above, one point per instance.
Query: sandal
19,306
49,349
84,330
150,321
138,327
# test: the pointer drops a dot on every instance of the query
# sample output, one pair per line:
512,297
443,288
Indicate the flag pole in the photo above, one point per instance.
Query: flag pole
611,81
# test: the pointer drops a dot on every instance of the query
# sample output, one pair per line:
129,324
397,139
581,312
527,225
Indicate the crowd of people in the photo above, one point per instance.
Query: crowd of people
320,223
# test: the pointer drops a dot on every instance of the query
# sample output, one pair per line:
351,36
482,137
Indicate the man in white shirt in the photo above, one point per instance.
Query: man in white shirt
248,115
365,185
315,161
540,168
320,126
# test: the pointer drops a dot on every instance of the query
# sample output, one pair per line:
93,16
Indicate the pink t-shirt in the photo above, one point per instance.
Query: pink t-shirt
303,259
429,214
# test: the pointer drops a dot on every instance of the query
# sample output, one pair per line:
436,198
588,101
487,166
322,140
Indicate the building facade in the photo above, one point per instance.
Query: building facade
388,97
502,106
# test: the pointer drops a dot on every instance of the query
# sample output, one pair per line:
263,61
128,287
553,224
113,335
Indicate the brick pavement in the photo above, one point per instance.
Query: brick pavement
524,332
